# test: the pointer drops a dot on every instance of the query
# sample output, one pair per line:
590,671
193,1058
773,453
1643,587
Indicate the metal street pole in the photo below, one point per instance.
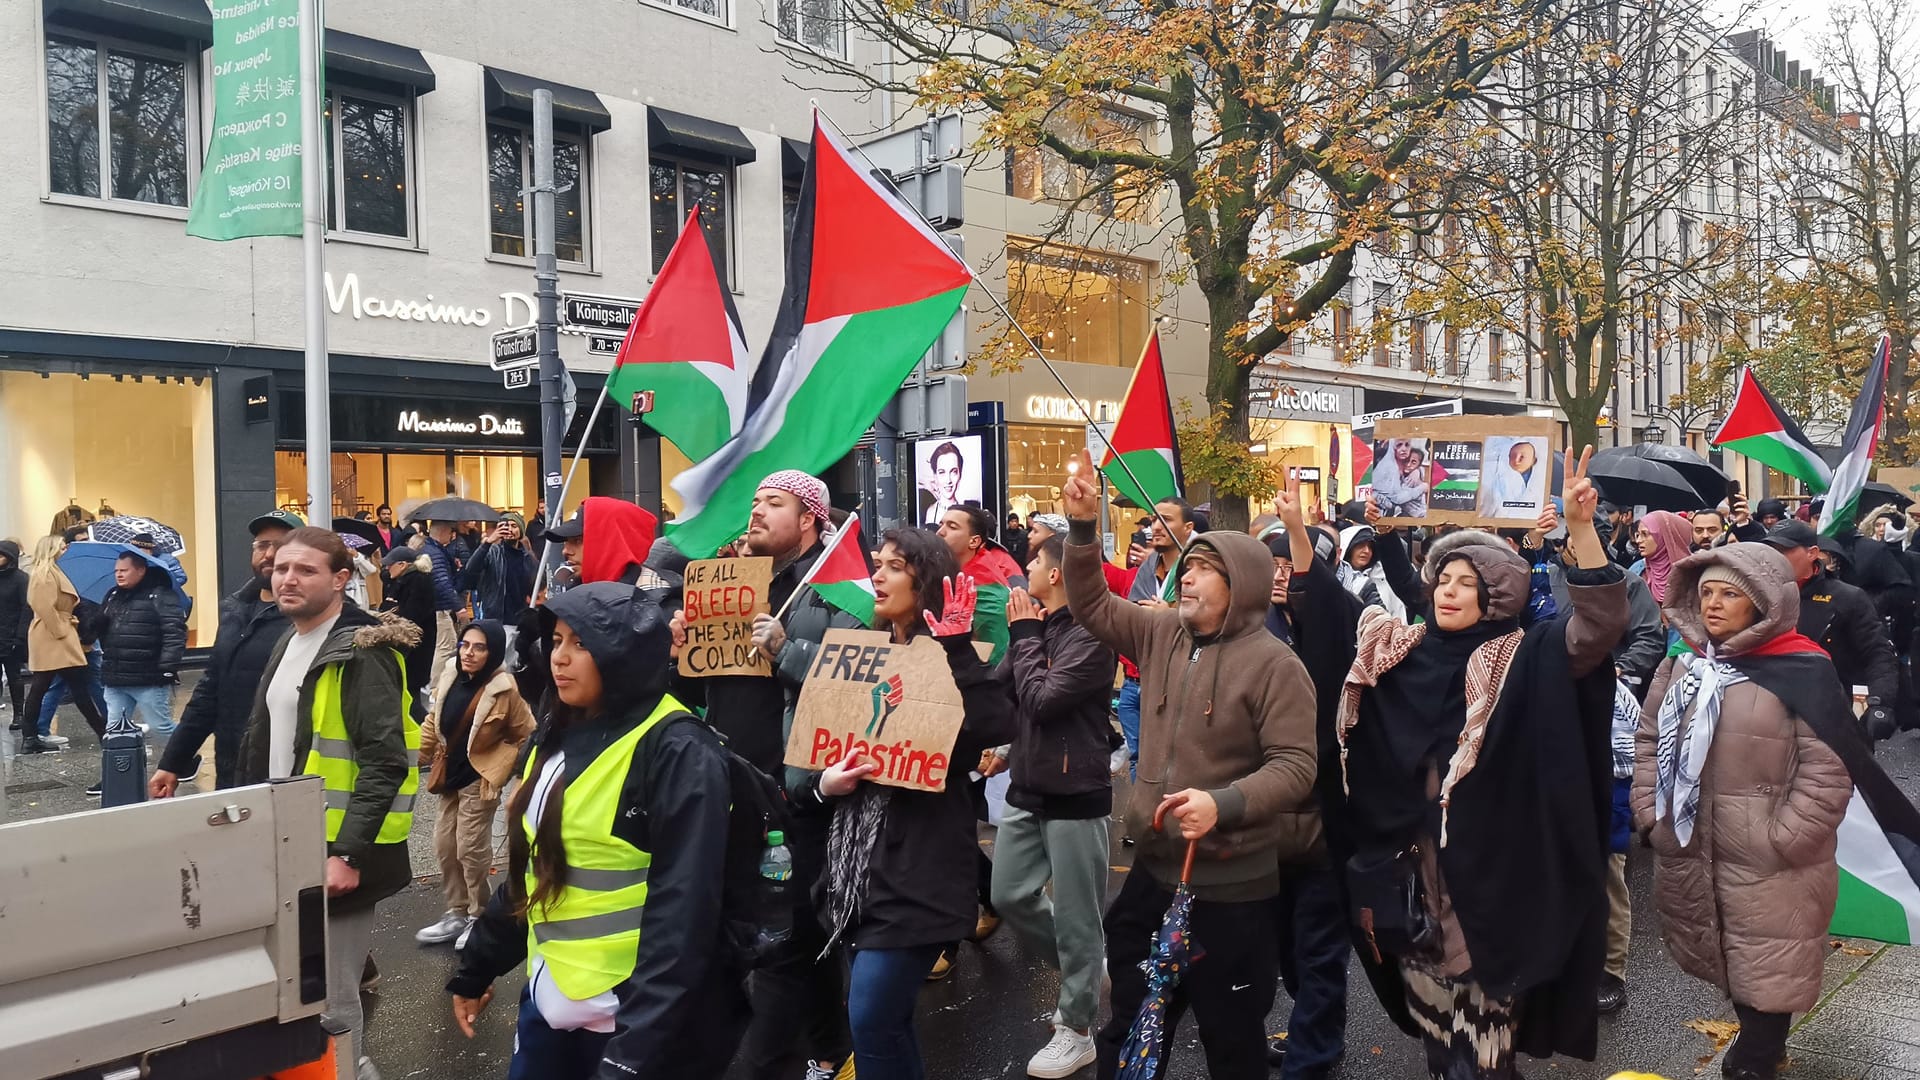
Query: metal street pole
546,277
313,235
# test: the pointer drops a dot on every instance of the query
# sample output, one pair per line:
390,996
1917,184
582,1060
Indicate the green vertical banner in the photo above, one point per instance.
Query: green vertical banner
250,185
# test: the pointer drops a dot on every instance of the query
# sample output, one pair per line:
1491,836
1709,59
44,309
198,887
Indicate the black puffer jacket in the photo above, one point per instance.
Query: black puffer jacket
249,629
1843,621
1062,678
143,633
14,613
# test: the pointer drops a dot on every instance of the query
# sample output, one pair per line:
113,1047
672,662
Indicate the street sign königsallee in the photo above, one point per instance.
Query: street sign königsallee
612,314
514,347
517,378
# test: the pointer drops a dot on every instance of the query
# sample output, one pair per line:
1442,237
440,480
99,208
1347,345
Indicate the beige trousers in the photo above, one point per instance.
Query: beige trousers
1619,916
463,841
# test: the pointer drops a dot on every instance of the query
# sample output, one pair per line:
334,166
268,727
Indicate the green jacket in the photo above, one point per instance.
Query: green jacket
369,649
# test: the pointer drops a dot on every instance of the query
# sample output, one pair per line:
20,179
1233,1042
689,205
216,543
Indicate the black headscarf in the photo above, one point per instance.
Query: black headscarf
465,687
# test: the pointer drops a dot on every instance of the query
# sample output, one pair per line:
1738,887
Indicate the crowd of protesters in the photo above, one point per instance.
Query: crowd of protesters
1431,752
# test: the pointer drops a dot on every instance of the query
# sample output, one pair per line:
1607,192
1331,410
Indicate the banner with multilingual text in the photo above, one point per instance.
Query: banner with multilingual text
251,183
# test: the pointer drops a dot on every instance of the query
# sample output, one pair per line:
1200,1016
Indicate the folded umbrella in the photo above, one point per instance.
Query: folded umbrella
1627,480
1173,950
122,530
89,565
452,508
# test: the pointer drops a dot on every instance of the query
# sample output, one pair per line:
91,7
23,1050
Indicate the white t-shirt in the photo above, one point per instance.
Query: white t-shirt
283,696
561,1012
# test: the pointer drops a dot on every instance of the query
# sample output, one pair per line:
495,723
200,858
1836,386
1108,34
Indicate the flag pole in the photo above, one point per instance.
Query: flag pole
313,236
1017,328
553,509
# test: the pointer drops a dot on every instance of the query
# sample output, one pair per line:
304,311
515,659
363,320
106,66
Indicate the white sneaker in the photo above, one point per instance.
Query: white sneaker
54,740
365,1070
1065,1054
450,926
464,935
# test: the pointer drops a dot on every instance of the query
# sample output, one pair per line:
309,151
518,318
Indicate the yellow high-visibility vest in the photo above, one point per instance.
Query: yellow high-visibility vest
331,759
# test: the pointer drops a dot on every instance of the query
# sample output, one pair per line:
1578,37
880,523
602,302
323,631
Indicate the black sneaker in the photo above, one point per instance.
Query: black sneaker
1126,841
93,790
1613,994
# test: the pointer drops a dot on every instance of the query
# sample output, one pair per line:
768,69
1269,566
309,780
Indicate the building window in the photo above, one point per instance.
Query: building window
1450,340
1088,307
817,24
510,172
117,122
369,167
1382,299
789,208
1040,174
1342,329
1417,344
1496,354
677,187
711,10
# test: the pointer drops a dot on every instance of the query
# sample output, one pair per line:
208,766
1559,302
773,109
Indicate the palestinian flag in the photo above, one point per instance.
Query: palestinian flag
1758,427
1142,458
1362,462
687,347
1879,877
870,286
841,576
1857,446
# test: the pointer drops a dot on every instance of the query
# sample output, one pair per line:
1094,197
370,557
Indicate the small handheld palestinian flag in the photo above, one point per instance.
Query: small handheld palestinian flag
1143,458
1758,427
840,575
1858,445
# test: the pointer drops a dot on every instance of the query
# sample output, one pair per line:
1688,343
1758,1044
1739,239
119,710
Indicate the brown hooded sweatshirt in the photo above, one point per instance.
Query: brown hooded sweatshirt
1231,714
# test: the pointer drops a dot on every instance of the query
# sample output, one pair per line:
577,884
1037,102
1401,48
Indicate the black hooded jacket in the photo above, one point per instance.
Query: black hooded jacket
14,613
249,629
410,596
1843,620
143,633
674,806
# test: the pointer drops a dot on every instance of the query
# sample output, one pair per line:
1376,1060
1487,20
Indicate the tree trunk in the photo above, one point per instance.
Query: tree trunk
1227,381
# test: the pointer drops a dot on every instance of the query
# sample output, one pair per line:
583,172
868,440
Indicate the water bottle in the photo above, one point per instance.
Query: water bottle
777,863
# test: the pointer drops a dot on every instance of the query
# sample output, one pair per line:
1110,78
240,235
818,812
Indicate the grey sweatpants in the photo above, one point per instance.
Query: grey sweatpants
1064,930
348,939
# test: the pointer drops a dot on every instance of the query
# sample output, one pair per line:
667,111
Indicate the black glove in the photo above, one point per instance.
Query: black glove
1880,723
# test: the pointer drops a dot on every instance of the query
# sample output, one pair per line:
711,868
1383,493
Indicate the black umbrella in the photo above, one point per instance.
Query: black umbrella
1877,494
1699,473
452,508
365,530
1626,479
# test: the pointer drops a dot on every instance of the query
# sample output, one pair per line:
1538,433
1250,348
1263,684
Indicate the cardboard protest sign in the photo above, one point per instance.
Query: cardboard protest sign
894,704
722,597
1485,471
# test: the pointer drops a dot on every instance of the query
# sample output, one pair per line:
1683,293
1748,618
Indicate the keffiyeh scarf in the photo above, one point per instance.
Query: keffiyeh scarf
1696,693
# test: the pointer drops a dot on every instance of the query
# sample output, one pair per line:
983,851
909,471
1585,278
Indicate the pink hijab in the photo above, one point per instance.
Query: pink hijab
1673,541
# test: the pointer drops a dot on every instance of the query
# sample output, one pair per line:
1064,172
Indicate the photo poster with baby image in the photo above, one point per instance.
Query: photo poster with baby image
1484,471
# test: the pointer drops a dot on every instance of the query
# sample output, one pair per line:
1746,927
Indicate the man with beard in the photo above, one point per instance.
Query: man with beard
799,1019
250,626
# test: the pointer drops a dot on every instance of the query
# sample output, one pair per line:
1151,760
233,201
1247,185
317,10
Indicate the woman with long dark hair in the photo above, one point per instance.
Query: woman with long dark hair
1473,795
619,840
900,883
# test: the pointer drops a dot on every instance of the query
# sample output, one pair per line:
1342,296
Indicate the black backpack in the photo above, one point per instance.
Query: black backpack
757,912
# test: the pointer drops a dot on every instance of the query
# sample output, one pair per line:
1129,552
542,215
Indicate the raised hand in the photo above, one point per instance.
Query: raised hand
1579,494
960,595
1286,507
1080,490
1021,606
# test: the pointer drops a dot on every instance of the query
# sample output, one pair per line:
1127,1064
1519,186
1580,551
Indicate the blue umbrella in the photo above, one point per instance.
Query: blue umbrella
89,565
1173,950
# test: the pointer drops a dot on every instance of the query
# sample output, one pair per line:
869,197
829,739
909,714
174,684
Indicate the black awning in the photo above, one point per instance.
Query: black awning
793,159
674,132
377,65
510,96
177,21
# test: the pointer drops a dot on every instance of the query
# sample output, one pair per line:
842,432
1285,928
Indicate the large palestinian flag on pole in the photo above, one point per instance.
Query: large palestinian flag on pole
1858,445
870,286
1758,427
687,347
1143,458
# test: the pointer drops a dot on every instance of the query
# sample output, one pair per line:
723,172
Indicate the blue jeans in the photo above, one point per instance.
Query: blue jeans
1314,946
155,703
882,989
58,693
1130,723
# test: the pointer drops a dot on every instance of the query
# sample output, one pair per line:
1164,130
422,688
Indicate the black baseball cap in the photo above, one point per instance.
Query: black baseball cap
286,519
1792,534
573,528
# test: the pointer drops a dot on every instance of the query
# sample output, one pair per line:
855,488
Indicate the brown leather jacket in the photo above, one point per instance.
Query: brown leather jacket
501,724
1745,905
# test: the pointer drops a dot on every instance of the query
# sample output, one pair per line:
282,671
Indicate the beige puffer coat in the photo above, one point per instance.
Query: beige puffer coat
1746,904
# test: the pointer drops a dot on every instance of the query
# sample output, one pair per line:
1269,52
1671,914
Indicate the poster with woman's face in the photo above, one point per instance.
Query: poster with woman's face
1401,483
948,474
1486,471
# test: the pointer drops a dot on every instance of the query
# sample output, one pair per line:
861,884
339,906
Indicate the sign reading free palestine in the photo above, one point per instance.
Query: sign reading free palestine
251,183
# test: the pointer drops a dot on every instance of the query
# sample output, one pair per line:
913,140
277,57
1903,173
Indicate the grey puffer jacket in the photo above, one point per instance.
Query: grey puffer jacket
1745,905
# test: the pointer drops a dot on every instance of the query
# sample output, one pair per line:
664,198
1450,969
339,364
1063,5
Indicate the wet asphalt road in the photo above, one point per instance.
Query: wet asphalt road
983,1022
